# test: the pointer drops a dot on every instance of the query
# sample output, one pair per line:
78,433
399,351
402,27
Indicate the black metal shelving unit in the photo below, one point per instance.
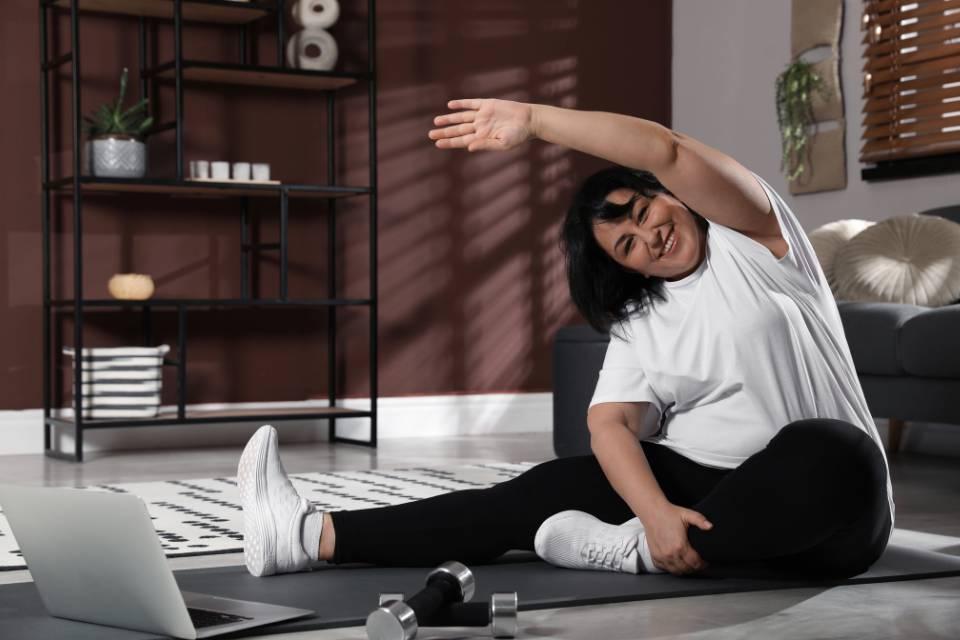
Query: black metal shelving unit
238,15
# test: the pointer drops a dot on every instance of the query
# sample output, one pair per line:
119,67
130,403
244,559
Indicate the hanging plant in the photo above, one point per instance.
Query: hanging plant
795,88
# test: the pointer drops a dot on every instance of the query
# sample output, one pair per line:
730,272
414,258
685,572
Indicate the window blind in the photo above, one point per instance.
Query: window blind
911,79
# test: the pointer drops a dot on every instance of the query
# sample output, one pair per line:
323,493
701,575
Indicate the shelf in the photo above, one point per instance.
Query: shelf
246,74
89,184
168,417
247,19
217,11
211,303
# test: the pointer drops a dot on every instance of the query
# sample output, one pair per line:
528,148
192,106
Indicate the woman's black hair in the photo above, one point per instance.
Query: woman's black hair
603,290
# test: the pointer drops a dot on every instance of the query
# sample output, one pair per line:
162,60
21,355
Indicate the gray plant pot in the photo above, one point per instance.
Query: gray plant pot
117,157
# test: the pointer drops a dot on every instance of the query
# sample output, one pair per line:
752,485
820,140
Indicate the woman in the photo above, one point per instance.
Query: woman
729,431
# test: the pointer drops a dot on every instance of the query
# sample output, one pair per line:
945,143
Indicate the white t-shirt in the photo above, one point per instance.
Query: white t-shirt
742,347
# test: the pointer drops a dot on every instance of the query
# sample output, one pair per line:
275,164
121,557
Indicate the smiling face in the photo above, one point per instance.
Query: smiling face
660,237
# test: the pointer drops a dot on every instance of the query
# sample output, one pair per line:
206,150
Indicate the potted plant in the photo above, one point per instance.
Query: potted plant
116,147
795,88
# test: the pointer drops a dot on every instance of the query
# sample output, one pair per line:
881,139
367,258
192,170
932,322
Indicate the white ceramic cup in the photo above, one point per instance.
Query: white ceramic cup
241,170
193,168
203,169
261,171
220,170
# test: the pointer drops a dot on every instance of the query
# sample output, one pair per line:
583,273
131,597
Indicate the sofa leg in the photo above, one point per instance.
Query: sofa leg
894,434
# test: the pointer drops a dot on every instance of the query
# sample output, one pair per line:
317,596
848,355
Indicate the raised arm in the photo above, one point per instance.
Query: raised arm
625,140
705,179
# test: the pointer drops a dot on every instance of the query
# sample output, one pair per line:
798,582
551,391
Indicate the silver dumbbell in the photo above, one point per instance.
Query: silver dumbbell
500,614
449,583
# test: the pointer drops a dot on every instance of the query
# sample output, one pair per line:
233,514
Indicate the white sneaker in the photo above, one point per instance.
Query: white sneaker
273,511
577,540
646,559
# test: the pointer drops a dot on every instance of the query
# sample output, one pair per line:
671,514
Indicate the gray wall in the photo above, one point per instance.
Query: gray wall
726,56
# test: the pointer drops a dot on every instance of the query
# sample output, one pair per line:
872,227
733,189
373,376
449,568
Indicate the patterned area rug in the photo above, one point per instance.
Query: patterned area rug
201,517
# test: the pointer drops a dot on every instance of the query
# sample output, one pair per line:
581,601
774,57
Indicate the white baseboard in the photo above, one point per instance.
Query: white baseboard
21,432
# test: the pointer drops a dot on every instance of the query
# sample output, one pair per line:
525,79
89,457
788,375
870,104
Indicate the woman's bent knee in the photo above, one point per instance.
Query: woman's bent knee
822,432
830,441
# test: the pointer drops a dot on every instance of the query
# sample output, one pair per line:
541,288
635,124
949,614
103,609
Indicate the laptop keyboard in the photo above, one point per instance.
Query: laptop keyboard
205,618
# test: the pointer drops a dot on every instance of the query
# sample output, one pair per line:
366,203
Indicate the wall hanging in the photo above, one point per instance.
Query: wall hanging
810,101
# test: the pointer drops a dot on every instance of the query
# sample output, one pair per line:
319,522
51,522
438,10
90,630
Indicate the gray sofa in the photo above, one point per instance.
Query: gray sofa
907,358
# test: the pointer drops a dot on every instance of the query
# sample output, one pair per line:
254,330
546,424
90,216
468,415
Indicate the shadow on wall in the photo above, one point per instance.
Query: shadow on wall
471,276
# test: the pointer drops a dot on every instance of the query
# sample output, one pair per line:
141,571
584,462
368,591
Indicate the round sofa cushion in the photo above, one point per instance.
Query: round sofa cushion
828,239
907,259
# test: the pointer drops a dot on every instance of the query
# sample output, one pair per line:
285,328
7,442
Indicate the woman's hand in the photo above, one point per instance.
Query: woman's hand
666,534
484,125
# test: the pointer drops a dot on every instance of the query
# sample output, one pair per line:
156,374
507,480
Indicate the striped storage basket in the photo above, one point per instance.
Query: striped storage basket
121,382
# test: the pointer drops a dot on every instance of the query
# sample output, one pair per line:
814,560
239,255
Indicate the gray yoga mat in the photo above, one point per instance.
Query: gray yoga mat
343,596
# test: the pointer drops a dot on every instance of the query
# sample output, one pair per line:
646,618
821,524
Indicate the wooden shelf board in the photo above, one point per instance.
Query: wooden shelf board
92,304
225,12
218,189
277,77
213,416
255,413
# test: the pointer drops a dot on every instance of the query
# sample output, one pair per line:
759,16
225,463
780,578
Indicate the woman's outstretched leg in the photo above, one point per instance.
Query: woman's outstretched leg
282,530
476,525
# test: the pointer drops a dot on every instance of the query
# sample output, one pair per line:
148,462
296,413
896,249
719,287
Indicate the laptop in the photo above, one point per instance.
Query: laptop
96,557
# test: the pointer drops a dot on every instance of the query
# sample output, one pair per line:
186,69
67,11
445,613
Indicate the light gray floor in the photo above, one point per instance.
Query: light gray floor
927,492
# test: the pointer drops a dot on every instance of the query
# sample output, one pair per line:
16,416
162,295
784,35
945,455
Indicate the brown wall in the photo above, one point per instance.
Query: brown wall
471,282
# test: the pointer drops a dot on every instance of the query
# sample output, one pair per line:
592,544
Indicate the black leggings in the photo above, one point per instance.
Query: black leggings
813,503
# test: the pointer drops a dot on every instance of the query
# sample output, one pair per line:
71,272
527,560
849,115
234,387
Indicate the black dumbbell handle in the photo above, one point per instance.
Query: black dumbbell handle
460,614
441,589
